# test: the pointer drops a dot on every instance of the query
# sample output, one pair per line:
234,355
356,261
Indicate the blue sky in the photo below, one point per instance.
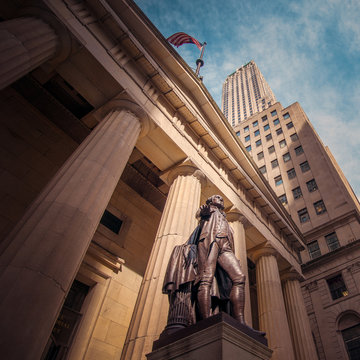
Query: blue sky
307,50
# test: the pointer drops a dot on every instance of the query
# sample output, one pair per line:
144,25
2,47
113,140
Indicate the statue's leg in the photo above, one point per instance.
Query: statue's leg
207,265
231,265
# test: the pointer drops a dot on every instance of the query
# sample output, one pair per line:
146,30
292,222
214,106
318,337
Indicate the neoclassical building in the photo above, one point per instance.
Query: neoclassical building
109,144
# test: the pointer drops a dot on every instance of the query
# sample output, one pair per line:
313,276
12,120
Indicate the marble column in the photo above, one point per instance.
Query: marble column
237,221
25,43
45,250
298,319
176,224
272,313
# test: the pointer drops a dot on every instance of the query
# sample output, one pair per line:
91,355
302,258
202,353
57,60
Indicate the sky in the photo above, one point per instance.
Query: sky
307,50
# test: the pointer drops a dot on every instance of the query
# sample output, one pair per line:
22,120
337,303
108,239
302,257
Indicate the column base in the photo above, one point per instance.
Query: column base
216,338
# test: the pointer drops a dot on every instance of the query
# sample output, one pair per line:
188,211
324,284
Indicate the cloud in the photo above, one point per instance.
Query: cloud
307,50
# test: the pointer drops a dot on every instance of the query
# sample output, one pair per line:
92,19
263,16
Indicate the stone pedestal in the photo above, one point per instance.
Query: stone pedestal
215,338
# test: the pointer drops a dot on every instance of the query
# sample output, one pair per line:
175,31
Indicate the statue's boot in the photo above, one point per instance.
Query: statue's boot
204,299
237,298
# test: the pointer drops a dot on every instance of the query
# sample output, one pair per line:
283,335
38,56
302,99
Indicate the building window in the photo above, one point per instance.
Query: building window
257,133
294,137
255,123
260,155
248,148
246,129
279,131
289,125
319,207
238,133
297,193
283,199
305,166
276,121
299,150
332,241
273,113
264,118
268,137
278,180
291,173
258,143
337,287
286,157
262,169
111,221
271,149
303,215
314,250
351,335
286,116
247,138
274,164
311,185
282,143
68,321
266,127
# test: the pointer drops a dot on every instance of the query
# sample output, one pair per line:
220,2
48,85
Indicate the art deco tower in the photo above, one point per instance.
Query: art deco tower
310,184
245,93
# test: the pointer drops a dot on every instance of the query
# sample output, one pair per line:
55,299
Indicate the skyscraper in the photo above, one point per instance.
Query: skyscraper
245,93
307,180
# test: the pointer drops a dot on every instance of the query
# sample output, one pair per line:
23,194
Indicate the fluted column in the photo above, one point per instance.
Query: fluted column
25,43
303,342
237,220
272,313
45,250
176,224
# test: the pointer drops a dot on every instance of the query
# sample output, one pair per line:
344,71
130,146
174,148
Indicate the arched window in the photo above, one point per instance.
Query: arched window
349,326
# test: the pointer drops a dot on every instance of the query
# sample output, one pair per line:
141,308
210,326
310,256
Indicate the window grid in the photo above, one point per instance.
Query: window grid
297,193
337,287
332,241
319,207
314,250
286,157
291,173
303,215
311,185
304,166
260,155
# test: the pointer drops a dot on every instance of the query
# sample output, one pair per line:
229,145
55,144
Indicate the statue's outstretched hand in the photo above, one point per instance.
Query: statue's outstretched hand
204,210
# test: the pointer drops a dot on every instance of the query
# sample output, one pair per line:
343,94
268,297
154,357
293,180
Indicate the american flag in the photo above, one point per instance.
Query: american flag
181,38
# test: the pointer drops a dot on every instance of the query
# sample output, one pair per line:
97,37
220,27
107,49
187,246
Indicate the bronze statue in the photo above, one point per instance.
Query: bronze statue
203,274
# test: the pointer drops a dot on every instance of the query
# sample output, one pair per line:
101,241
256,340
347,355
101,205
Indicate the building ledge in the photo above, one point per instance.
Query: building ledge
329,256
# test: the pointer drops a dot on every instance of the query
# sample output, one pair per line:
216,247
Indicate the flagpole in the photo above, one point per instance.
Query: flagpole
200,61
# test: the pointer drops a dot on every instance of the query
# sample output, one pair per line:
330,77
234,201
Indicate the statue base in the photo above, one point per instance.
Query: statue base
216,338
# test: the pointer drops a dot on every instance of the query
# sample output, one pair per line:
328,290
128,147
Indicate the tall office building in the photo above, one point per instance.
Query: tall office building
245,93
307,180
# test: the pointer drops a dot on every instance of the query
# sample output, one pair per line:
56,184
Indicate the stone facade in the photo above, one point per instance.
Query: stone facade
109,145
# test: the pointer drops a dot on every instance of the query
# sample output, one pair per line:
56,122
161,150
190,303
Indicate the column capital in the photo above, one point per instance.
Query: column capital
121,103
266,250
65,43
184,168
290,274
234,214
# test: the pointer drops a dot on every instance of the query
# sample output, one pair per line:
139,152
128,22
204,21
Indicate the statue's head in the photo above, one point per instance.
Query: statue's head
216,200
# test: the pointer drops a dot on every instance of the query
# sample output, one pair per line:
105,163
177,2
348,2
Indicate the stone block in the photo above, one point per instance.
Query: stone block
218,337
